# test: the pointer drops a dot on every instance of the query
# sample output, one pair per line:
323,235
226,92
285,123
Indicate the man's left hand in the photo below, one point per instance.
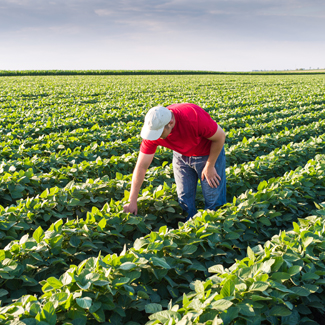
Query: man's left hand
211,175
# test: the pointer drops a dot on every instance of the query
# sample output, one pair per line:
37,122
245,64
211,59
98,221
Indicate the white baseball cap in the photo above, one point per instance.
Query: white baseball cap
154,122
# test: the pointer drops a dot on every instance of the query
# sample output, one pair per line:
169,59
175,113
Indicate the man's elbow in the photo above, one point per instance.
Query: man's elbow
221,136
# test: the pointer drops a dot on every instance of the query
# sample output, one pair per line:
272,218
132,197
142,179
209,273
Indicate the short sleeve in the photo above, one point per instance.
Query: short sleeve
148,147
207,127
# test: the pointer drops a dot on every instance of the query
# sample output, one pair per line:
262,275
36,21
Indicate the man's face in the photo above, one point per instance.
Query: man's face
166,132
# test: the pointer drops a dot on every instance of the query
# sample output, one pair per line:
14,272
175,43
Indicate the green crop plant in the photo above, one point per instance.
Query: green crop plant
69,141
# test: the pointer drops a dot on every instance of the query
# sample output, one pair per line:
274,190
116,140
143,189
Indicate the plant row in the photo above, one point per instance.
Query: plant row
74,103
77,198
281,282
127,137
246,150
162,264
15,185
58,130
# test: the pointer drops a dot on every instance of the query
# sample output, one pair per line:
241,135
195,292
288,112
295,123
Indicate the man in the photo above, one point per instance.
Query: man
197,142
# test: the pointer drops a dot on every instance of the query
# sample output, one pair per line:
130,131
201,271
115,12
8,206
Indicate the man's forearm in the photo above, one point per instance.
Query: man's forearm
215,149
137,180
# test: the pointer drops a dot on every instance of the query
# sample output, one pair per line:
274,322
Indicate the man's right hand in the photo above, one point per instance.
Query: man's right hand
139,172
131,208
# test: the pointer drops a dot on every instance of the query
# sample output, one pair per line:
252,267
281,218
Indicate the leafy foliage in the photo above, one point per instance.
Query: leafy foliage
69,255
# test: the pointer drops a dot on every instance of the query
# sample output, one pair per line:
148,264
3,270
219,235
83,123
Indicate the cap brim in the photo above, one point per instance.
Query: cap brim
148,134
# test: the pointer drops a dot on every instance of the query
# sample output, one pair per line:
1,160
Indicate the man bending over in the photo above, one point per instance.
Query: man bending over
197,142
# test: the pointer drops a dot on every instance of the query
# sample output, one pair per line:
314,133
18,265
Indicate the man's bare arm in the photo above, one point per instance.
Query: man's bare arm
209,172
139,173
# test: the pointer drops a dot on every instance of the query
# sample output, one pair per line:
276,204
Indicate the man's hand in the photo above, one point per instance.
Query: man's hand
211,175
131,207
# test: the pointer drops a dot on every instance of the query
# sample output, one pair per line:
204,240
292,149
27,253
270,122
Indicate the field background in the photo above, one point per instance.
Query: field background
69,255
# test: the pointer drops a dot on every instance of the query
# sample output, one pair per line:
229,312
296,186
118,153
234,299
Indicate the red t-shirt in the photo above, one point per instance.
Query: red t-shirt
189,135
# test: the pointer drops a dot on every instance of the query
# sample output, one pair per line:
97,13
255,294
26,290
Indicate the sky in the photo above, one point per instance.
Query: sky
214,35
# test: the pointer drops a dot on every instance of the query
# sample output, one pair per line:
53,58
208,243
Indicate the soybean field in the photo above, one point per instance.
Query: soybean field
68,253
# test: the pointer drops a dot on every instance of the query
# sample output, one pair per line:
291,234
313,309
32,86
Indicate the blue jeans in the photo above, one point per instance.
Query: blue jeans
187,171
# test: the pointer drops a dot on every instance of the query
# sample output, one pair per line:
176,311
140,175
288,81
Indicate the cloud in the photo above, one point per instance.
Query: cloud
190,27
104,12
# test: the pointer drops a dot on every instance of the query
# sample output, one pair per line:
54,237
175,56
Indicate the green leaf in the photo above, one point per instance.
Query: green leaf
54,283
228,288
186,301
229,315
250,254
246,309
262,185
277,264
307,241
293,270
59,298
140,242
164,315
45,194
216,321
74,202
142,294
160,261
153,308
267,265
126,195
259,286
310,276
120,281
74,241
296,228
38,235
195,304
119,176
280,311
99,315
95,306
265,221
102,224
280,276
199,287
2,255
292,319
221,304
84,302
279,286
300,291
48,314
217,269
189,249
244,272
258,298
127,266
3,292
66,278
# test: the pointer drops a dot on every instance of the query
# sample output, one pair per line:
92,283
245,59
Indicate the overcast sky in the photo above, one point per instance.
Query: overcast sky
220,35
